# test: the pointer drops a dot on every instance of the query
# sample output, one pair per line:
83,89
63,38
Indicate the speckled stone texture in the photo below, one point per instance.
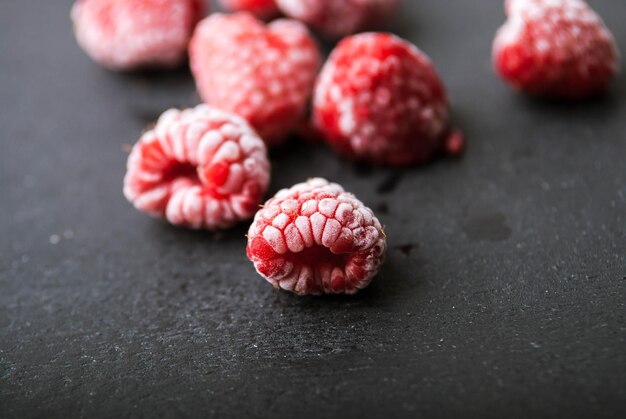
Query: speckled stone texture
502,295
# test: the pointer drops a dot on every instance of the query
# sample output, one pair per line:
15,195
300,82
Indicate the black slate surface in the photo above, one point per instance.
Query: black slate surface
503,294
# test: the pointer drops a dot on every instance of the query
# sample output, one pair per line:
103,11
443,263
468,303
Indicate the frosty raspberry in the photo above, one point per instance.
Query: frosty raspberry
131,34
199,168
315,238
263,9
335,19
555,48
263,73
379,99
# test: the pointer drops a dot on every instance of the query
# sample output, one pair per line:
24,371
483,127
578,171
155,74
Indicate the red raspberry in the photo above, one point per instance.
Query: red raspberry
555,48
131,34
263,73
263,9
379,99
336,19
316,238
199,168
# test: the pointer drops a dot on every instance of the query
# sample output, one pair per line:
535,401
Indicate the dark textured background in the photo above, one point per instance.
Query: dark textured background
503,295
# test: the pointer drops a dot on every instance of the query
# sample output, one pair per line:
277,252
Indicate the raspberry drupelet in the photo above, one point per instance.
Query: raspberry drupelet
265,73
315,238
263,9
335,19
134,34
379,99
199,168
558,49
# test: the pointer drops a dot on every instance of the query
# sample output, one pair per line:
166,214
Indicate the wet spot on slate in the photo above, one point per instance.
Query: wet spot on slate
362,169
382,208
486,226
146,116
522,154
406,249
389,183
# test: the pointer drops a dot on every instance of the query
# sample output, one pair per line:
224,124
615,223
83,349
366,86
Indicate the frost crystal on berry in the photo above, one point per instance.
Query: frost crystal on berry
199,168
315,238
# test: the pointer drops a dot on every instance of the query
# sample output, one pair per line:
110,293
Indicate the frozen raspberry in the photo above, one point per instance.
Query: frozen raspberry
199,168
555,48
336,19
379,100
316,238
131,34
263,9
263,73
